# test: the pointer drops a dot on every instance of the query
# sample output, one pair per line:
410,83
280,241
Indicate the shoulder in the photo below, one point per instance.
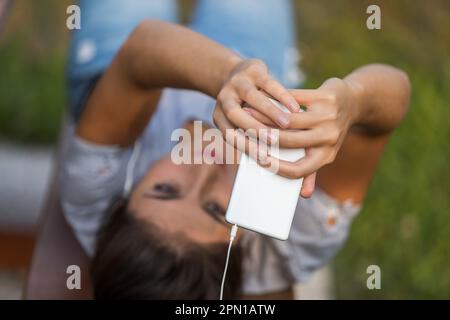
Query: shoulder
91,177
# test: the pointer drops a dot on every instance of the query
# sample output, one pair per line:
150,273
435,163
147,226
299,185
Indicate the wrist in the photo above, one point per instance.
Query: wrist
356,92
227,69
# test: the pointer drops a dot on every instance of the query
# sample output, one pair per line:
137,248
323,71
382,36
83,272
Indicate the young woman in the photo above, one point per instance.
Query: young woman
156,229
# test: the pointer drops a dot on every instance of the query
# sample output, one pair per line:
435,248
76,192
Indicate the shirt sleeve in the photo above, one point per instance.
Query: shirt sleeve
92,177
105,25
320,229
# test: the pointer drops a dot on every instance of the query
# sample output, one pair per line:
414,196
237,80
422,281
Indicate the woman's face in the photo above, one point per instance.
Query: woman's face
190,200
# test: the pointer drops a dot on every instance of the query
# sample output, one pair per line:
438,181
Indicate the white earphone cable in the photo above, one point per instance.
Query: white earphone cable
232,236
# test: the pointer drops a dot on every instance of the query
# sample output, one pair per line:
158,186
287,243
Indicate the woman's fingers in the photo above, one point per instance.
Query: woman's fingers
290,138
259,116
308,186
238,140
243,120
259,101
306,96
305,167
299,120
306,120
306,138
277,91
301,168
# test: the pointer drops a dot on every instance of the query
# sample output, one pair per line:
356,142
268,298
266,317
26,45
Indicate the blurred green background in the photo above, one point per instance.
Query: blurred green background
405,224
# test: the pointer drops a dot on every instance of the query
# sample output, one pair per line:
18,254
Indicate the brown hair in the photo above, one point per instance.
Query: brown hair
137,260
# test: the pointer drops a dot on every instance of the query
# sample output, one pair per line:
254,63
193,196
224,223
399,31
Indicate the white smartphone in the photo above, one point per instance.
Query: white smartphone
261,200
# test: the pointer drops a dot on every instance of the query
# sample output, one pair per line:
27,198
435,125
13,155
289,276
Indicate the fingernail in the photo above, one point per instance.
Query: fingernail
262,156
273,137
247,110
265,137
293,105
269,137
283,120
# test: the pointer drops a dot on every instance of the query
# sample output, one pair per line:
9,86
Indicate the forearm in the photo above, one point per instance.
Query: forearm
159,54
156,55
382,96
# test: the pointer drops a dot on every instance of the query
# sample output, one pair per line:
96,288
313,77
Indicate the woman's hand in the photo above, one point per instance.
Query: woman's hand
248,84
331,111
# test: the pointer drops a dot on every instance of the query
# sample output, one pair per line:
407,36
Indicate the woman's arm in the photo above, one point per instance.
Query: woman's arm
382,96
155,55
158,55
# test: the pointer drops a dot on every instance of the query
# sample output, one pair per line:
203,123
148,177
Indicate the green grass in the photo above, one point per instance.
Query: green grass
32,96
405,224
32,58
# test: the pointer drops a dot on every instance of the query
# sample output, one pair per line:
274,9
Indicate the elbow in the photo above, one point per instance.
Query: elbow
401,101
402,85
147,30
135,40
404,93
129,57
400,93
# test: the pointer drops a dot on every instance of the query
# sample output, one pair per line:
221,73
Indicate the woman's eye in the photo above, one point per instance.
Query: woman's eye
165,188
215,208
